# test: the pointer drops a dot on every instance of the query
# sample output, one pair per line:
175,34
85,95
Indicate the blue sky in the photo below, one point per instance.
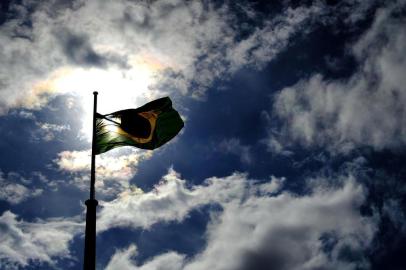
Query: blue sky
292,155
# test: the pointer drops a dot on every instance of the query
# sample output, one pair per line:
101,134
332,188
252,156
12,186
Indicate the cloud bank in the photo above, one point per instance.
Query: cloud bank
259,227
168,45
26,243
366,109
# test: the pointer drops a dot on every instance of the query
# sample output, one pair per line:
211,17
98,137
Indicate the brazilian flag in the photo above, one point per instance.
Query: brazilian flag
147,127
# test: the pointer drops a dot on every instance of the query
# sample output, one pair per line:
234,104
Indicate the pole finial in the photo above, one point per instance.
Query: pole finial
95,93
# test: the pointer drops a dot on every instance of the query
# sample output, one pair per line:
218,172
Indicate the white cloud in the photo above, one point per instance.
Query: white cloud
26,115
14,188
48,131
114,170
368,109
259,227
170,200
43,131
266,42
122,260
234,146
24,243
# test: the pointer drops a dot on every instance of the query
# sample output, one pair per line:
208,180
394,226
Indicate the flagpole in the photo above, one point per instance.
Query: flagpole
89,261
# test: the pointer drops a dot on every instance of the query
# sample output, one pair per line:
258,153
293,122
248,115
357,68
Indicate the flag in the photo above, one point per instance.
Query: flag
146,127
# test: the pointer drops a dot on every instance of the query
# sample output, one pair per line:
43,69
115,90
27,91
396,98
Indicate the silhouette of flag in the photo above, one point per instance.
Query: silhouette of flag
147,127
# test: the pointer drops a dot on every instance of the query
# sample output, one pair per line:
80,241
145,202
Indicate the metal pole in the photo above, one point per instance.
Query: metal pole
89,261
93,164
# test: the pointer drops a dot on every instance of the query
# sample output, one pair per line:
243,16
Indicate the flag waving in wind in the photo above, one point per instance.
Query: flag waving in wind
147,127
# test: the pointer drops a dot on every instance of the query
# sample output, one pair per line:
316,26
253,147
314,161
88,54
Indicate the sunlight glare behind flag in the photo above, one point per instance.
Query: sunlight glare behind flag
147,127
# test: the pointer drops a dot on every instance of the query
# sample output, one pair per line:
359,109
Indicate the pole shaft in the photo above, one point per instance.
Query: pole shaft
93,164
89,261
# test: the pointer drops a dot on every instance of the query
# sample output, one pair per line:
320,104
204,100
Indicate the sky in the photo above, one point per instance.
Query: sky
292,155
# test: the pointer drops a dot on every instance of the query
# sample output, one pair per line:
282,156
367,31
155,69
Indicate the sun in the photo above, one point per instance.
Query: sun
118,88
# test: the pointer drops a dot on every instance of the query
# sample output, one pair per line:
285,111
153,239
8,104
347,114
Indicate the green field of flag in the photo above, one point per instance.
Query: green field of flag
146,127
